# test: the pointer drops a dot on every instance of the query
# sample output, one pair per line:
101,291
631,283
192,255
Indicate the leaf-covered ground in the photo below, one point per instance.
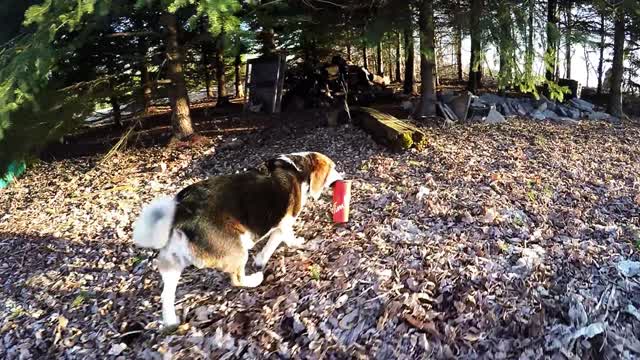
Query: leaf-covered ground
495,241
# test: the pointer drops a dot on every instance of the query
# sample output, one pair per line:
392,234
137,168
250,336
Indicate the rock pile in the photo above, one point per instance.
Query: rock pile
494,109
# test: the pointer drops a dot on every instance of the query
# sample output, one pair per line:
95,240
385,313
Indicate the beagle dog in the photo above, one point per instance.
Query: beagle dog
214,223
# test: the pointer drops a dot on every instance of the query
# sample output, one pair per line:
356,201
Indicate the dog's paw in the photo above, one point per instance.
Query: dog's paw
175,329
253,280
259,262
295,242
170,325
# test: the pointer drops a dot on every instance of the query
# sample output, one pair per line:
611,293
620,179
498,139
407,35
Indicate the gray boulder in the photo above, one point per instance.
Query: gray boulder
542,106
506,109
520,109
548,114
573,113
551,105
491,99
562,111
598,115
582,105
494,117
537,115
527,105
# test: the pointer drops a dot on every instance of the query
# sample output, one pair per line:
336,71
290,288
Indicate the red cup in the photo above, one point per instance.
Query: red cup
341,199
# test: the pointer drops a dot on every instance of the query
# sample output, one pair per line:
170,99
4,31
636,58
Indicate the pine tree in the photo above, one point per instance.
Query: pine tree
220,66
54,32
409,53
178,95
550,56
615,96
427,60
398,59
475,66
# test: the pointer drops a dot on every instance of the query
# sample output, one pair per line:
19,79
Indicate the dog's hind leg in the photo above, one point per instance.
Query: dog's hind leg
170,271
172,259
237,273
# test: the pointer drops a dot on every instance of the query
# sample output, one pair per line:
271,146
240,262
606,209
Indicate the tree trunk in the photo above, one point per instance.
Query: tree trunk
557,61
390,62
181,117
349,52
529,53
506,46
458,41
475,67
617,67
145,79
409,56
601,60
238,78
586,64
220,68
115,106
567,45
207,83
552,40
398,71
436,65
388,130
146,87
365,62
207,74
427,60
379,66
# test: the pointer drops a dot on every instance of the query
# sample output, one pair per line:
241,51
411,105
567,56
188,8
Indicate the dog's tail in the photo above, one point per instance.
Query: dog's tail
153,227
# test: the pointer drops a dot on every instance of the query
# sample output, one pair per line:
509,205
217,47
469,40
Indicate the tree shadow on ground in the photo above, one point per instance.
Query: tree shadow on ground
154,130
103,293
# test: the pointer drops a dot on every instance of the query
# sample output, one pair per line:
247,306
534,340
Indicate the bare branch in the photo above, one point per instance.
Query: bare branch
332,3
132,34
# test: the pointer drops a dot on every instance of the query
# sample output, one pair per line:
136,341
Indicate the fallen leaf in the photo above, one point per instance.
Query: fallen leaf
490,215
117,349
426,326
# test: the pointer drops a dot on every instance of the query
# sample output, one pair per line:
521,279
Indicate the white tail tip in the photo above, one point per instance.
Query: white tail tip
153,227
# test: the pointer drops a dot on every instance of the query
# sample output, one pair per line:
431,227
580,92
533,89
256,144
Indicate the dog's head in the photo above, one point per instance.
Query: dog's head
317,169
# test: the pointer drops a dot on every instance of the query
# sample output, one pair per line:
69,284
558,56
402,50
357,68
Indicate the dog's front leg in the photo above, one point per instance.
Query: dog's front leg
283,234
276,237
292,240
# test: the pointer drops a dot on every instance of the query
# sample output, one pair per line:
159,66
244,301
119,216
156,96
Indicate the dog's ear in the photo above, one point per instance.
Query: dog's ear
321,168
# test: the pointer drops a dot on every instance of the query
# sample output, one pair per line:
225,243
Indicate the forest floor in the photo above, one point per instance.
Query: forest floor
509,241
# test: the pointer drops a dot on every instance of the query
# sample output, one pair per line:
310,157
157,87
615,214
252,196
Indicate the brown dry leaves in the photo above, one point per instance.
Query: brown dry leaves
495,241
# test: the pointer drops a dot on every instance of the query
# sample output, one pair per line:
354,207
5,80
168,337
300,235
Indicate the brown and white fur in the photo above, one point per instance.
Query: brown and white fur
214,223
